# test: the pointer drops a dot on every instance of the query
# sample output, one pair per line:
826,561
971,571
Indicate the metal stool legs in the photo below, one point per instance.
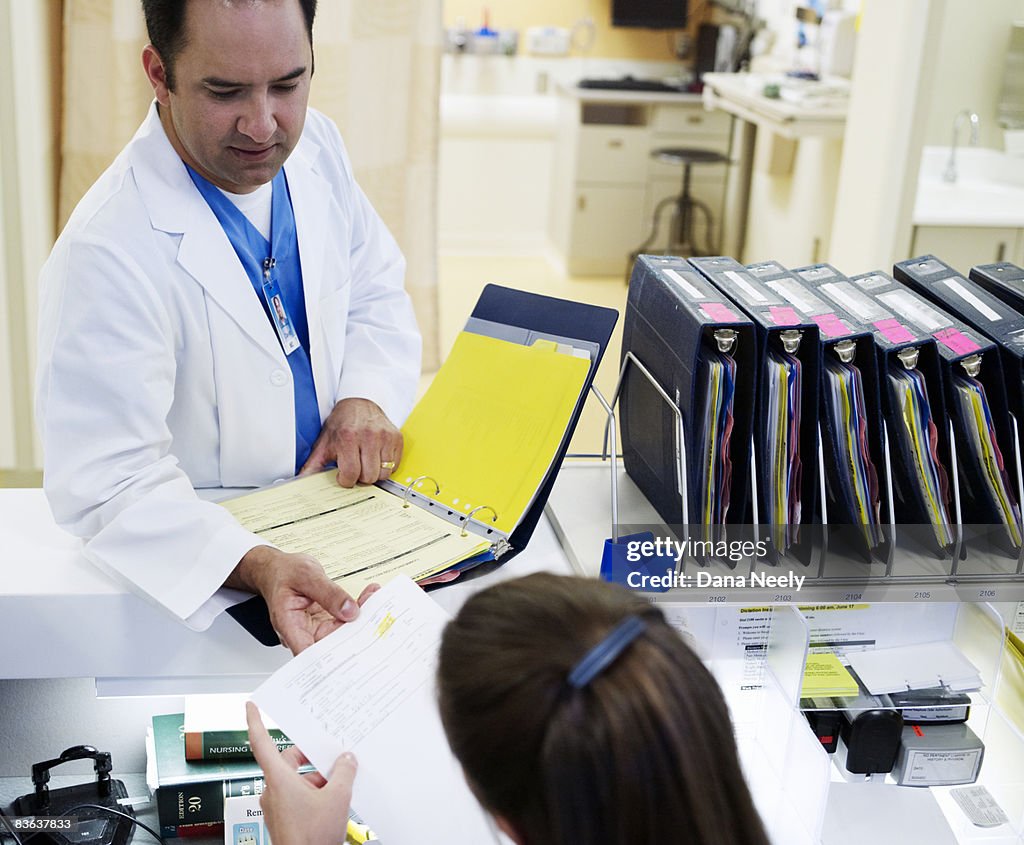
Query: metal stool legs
681,237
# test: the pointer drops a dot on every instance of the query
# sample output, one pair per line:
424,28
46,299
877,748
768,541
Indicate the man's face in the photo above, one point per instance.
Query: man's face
241,84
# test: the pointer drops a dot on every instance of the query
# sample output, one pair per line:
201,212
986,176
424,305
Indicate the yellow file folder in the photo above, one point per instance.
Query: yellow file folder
489,427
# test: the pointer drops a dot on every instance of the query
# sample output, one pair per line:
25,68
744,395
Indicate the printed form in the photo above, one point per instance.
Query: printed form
369,688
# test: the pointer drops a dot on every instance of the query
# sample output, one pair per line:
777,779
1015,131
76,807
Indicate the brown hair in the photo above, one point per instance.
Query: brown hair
642,753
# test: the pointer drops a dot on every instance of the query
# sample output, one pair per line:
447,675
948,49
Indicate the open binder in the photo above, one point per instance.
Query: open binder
852,448
484,444
913,407
788,364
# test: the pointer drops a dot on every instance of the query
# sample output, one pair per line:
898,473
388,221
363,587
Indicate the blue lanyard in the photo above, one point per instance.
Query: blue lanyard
274,270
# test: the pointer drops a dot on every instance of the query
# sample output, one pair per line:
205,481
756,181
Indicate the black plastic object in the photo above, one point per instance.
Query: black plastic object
872,741
92,826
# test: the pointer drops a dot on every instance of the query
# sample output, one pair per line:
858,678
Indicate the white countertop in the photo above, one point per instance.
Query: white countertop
604,95
988,191
64,618
806,114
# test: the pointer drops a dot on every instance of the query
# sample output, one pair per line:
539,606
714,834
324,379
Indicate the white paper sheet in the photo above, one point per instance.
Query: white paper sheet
369,688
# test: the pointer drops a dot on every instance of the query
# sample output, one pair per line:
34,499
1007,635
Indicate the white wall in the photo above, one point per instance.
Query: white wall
27,209
968,72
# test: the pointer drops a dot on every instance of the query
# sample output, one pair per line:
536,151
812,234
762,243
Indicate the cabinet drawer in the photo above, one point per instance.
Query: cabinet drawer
613,154
689,120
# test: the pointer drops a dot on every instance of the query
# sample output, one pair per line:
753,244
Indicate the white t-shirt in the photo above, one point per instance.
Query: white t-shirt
255,205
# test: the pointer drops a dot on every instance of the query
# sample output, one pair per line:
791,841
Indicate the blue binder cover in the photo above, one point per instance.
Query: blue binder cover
544,314
843,342
774,319
672,315
894,340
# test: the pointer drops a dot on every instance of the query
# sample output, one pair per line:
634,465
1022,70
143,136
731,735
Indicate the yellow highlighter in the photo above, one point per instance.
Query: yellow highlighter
357,834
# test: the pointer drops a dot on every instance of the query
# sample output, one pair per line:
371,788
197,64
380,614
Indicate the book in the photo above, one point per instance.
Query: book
215,728
189,796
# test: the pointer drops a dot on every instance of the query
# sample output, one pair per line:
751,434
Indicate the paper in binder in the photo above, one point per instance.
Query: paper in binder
481,451
910,390
972,375
788,363
696,348
849,412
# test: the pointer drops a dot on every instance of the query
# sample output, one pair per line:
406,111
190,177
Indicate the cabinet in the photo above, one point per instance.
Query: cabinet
964,246
606,183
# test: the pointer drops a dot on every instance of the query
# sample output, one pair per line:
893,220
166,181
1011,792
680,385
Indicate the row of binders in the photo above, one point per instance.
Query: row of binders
826,408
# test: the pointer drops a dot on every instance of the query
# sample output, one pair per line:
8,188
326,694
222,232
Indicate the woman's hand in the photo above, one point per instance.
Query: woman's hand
300,809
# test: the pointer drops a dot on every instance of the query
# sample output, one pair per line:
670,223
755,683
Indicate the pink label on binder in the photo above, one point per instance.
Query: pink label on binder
720,312
894,331
956,340
831,325
783,315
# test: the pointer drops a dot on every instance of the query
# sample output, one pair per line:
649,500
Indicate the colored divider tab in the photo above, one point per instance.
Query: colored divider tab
783,315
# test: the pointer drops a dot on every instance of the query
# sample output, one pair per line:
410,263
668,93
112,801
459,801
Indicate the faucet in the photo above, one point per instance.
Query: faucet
949,174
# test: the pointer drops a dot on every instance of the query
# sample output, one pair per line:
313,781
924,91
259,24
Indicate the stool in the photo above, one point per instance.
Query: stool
681,239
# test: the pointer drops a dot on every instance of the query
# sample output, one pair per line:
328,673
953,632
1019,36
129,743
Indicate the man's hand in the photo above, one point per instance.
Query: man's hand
360,439
300,809
304,604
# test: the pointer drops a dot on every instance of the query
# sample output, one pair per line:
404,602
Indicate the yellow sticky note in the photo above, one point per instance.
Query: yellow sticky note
825,675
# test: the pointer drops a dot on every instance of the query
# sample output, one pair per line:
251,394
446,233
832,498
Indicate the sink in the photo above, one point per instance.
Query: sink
988,191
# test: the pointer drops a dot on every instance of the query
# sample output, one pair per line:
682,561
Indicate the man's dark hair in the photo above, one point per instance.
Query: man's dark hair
165,23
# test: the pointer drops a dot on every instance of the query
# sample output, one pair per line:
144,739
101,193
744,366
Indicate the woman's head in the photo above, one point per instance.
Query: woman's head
643,752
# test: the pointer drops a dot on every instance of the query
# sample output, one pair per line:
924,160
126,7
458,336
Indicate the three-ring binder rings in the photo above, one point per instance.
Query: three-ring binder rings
481,452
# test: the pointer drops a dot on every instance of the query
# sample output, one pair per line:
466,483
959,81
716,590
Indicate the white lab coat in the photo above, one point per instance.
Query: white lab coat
159,371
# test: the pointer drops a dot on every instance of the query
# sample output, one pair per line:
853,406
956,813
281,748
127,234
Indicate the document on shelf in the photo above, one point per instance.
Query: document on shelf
360,535
922,666
369,688
825,675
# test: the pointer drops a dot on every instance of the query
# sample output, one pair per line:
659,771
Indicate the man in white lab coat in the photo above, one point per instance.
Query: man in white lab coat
223,309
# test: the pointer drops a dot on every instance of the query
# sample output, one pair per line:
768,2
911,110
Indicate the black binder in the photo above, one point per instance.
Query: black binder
898,348
843,341
516,309
1003,283
672,318
997,329
963,351
1004,280
778,329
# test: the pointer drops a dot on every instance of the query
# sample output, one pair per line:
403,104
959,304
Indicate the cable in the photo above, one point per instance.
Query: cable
4,818
113,811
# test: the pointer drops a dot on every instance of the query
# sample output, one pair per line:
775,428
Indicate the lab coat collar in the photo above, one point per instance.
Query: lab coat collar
205,252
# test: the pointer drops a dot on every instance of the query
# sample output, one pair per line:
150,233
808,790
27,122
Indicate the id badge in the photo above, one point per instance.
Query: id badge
280,318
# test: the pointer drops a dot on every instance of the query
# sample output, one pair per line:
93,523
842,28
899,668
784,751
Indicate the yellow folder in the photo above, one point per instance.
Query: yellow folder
489,427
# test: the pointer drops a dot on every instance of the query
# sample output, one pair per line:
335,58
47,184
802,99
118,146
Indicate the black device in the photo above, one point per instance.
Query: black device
872,740
826,725
650,14
44,812
630,83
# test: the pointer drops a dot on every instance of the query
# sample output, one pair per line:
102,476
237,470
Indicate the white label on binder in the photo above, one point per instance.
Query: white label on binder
797,296
925,318
688,289
862,307
753,294
954,285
